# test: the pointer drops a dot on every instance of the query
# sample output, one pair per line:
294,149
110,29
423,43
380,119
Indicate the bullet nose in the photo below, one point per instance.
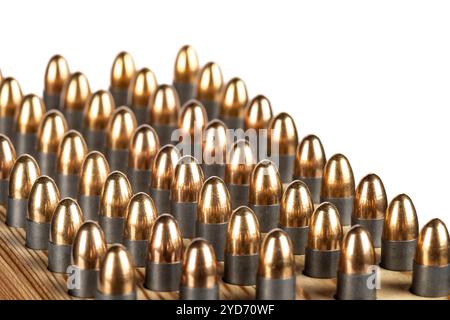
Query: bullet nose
98,110
164,106
163,167
122,71
243,236
76,92
165,244
400,222
234,99
214,202
143,148
94,171
192,119
338,180
370,198
357,252
43,200
215,143
142,86
187,181
71,153
265,184
115,195
120,128
210,82
240,164
7,157
67,219
325,231
310,158
29,114
89,246
296,206
10,97
186,65
56,73
23,174
51,131
140,216
258,113
283,138
433,244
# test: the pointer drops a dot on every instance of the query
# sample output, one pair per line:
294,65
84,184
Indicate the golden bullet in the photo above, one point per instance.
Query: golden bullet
338,186
324,242
56,73
258,113
10,100
122,72
234,101
7,159
199,272
265,194
191,123
214,149
186,73
309,164
143,86
209,89
242,248
75,95
184,193
276,268
116,278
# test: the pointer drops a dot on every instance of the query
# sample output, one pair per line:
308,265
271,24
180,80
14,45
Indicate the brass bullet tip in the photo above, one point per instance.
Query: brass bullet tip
400,222
56,73
357,252
29,115
120,128
89,246
142,86
10,97
187,180
370,198
166,243
94,171
243,236
199,268
163,167
276,258
43,200
325,230
265,184
296,205
258,113
210,82
240,163
282,135
51,130
23,174
143,148
116,276
115,195
214,204
186,65
338,180
215,141
433,245
164,106
310,158
71,152
234,99
140,216
122,71
7,157
67,219
192,118
98,110
76,92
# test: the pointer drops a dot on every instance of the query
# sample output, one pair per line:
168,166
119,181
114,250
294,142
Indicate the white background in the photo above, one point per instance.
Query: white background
370,78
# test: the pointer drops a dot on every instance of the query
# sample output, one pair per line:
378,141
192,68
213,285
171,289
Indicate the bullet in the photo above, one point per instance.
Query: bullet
265,195
164,106
75,95
234,101
97,112
114,200
186,73
116,279
56,73
23,174
7,159
258,115
67,219
89,248
324,241
10,100
295,212
51,130
199,272
399,237
369,207
242,248
162,172
338,186
122,71
356,266
310,161
240,163
192,121
119,131
28,117
276,268
93,174
209,89
213,214
71,152
143,148
140,216
214,149
431,271
184,194
143,86
165,248
43,200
